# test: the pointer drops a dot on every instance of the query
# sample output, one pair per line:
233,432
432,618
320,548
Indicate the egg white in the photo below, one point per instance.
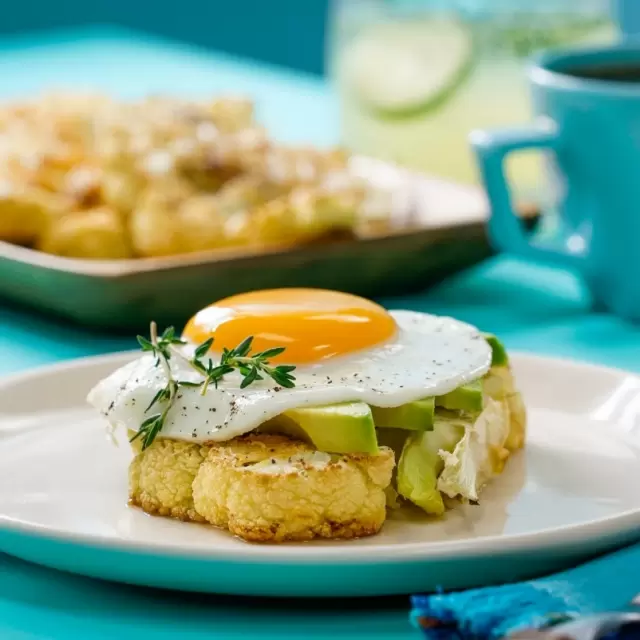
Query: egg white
428,356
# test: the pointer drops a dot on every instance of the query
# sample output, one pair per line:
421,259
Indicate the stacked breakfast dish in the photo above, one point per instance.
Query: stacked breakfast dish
95,177
294,414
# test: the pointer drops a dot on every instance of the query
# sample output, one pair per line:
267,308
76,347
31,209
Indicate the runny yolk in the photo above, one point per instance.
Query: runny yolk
312,324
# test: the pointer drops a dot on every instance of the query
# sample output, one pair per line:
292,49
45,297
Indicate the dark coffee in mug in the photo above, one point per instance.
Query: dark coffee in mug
628,73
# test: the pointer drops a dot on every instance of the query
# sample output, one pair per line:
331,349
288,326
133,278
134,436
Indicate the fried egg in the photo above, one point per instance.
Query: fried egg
345,348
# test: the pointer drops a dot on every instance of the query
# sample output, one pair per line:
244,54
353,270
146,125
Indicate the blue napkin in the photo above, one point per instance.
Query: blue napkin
609,583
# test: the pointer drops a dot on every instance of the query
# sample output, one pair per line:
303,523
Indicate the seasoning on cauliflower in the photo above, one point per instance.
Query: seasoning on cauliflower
268,488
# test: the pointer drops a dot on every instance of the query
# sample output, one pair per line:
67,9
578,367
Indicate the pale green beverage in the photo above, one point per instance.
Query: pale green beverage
415,77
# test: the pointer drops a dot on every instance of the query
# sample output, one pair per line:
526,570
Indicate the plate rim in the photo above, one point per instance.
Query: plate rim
305,553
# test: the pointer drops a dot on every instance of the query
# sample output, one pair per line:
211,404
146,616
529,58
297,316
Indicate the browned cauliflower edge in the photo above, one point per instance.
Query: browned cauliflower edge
264,488
160,478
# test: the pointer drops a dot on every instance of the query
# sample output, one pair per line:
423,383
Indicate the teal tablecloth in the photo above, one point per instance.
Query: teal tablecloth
532,308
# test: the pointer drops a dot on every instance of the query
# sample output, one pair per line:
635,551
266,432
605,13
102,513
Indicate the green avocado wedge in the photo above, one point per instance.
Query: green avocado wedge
420,463
499,356
346,427
412,416
466,398
394,439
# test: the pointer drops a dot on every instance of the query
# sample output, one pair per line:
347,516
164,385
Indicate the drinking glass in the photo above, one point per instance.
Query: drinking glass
414,77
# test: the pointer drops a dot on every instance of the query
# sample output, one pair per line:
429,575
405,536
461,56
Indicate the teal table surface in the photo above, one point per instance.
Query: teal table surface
531,307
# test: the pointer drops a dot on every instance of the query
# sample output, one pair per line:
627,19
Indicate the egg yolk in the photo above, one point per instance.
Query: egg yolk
312,324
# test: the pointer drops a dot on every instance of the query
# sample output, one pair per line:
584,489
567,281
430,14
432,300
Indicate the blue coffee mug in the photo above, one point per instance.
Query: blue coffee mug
592,126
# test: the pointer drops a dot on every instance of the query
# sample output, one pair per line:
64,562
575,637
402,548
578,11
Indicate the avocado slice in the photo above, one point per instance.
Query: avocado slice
393,438
420,463
346,427
466,398
413,416
499,356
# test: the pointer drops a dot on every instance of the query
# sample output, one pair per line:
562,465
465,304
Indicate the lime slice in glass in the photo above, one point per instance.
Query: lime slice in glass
405,68
535,34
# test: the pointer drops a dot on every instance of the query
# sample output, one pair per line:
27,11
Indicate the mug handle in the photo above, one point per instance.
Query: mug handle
505,228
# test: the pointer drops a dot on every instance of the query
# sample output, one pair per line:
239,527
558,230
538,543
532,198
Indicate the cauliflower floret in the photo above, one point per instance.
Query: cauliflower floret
265,488
518,414
160,478
487,443
479,455
499,384
269,488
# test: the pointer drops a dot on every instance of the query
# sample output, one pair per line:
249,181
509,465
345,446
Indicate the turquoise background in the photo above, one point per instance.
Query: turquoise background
283,32
532,307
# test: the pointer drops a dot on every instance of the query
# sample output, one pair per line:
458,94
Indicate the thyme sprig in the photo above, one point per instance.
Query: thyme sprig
252,367
160,346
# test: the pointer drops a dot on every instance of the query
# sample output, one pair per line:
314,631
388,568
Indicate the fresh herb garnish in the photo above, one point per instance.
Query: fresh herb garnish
252,367
160,346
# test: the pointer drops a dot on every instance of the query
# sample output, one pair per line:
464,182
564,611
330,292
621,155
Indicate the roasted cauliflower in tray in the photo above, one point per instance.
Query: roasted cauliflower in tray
92,177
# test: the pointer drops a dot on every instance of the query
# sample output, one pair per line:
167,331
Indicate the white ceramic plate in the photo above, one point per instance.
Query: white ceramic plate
571,494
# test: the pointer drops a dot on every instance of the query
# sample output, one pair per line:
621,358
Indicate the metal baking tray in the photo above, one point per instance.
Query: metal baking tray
437,229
